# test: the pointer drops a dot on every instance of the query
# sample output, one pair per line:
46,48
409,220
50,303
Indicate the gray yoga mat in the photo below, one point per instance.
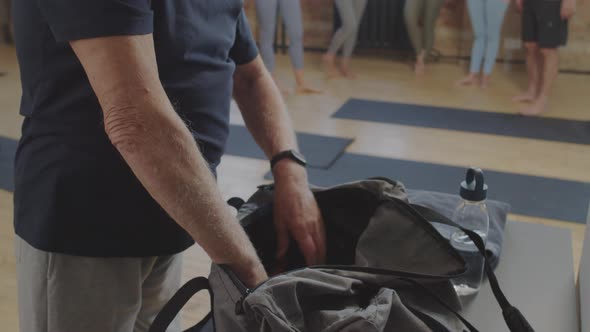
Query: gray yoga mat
320,151
528,195
550,129
7,152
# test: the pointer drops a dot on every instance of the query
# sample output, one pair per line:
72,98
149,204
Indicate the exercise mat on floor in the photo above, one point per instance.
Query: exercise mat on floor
528,195
321,151
502,124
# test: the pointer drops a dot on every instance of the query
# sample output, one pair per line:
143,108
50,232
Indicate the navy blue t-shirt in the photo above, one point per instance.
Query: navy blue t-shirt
74,192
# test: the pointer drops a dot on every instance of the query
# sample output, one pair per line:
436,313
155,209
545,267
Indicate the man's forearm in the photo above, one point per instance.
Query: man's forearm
163,155
263,109
153,140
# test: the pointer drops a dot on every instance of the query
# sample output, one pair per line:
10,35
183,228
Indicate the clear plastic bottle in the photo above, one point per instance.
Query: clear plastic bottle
471,214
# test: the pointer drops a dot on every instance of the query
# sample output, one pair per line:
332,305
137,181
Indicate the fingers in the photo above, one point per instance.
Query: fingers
320,242
312,242
299,218
308,248
282,240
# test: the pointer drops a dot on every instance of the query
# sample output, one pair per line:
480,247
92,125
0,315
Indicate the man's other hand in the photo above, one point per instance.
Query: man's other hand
297,214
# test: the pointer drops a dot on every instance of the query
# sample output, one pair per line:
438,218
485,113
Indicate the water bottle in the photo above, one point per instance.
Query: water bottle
471,214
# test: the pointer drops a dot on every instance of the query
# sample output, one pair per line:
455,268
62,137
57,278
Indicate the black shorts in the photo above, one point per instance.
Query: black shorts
542,23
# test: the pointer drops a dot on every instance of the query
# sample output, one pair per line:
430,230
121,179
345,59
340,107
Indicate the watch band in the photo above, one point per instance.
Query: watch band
288,154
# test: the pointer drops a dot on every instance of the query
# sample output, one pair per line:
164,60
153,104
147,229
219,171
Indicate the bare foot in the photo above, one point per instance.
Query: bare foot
302,87
330,65
305,89
345,70
419,68
467,80
527,97
540,105
484,83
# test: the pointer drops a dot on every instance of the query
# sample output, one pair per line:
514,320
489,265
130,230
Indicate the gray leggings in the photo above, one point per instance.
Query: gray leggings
266,12
351,13
426,11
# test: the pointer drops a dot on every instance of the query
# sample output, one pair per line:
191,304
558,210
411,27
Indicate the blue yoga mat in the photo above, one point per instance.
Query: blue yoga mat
7,152
550,129
320,151
528,195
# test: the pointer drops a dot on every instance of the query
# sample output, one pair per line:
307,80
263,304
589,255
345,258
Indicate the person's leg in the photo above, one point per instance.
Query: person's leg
31,271
349,45
432,11
476,9
413,11
550,70
63,293
162,282
534,65
266,14
494,10
291,14
347,17
530,36
552,35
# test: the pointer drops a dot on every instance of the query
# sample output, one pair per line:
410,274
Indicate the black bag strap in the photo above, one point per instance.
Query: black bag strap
178,301
513,317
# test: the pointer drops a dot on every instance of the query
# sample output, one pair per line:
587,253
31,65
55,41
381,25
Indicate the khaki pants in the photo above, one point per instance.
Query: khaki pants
63,293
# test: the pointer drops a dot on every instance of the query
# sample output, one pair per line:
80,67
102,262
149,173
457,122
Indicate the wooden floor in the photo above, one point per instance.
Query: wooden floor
378,79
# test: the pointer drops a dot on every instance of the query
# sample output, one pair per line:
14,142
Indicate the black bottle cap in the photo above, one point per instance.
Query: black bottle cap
474,188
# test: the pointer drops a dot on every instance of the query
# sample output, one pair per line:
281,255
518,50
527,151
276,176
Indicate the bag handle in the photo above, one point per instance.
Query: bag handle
513,317
178,301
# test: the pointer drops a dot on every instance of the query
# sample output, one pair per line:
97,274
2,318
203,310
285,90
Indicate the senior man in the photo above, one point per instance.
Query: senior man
126,106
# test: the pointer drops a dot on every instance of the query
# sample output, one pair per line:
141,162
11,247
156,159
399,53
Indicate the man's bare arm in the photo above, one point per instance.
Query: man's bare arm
266,117
153,140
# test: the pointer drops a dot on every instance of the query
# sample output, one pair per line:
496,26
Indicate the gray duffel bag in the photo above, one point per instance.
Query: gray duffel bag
387,269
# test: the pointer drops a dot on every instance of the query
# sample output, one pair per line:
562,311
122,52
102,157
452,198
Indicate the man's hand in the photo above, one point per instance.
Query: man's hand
519,5
265,115
297,214
568,9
